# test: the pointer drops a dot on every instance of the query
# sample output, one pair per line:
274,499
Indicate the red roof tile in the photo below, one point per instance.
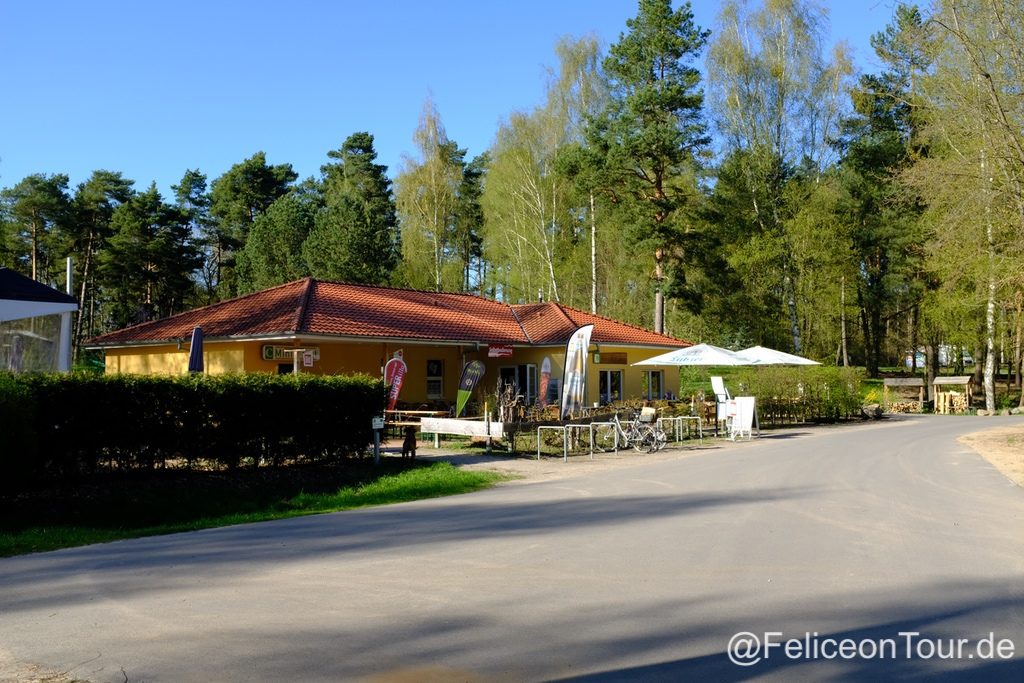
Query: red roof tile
313,307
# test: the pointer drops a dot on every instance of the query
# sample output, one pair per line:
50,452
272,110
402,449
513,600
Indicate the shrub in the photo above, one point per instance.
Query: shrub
59,426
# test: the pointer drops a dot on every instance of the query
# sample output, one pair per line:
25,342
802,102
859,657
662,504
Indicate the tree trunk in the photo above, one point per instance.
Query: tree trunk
990,304
35,248
659,297
593,256
913,338
866,331
842,320
80,320
789,291
1018,343
931,364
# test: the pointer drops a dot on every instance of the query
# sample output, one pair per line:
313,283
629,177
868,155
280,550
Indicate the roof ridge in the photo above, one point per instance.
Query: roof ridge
300,310
410,289
478,318
515,316
623,323
558,305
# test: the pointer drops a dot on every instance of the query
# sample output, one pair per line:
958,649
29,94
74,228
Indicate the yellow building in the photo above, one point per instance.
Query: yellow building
334,328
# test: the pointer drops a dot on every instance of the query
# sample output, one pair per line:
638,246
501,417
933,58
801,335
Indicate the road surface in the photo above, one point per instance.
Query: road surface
835,539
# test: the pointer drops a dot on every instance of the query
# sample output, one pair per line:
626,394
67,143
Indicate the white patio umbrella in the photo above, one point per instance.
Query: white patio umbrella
698,354
761,355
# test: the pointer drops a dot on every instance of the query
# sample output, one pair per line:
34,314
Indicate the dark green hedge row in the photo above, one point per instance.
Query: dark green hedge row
58,425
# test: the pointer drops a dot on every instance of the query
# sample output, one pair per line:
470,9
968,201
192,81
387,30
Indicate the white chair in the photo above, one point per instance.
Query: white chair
722,398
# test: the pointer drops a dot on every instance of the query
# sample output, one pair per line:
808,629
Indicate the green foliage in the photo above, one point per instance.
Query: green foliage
84,422
93,207
16,425
147,267
427,198
355,237
648,136
273,253
37,210
237,198
192,197
786,394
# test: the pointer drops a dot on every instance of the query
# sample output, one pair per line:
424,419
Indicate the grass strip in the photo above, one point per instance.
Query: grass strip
433,481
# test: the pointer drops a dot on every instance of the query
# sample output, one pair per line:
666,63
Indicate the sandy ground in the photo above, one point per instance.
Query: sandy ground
1002,446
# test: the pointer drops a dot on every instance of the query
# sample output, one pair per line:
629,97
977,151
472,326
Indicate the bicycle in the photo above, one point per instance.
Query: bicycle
641,435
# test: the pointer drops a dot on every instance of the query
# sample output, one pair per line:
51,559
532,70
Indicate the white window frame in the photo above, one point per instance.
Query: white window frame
649,375
605,378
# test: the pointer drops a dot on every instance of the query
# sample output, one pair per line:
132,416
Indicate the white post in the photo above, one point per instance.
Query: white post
64,348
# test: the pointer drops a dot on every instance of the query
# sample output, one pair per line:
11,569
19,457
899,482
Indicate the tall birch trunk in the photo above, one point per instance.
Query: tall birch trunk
990,304
593,256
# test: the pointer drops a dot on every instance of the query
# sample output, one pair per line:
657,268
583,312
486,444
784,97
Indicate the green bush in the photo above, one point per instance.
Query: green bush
17,438
786,394
59,426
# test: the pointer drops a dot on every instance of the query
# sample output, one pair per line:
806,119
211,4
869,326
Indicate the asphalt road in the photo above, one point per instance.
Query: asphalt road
862,534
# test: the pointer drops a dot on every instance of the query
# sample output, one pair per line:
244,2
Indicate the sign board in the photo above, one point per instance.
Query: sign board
274,352
447,425
307,359
611,358
742,420
378,423
499,351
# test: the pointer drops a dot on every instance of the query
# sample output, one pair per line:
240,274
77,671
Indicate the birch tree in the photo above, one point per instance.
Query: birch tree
972,178
427,196
777,101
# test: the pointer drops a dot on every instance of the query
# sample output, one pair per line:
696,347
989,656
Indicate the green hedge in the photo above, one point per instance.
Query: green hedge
796,394
59,425
786,394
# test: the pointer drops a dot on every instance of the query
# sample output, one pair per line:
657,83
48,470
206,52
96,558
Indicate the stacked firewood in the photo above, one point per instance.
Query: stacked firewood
905,407
950,402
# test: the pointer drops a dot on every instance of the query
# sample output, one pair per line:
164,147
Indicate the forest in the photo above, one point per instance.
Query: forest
741,184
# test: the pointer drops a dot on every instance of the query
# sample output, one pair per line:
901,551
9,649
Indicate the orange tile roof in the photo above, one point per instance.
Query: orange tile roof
320,308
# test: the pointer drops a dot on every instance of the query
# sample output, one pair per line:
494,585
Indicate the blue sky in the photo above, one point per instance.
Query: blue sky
152,88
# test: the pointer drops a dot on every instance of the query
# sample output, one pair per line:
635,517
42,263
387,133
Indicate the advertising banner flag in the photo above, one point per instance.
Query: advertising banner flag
574,378
394,375
471,374
545,380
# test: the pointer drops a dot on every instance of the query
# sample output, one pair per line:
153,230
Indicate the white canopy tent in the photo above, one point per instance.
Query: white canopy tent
23,298
761,355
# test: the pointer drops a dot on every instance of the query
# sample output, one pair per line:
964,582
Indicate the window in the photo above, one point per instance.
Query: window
435,379
611,386
554,391
654,384
524,379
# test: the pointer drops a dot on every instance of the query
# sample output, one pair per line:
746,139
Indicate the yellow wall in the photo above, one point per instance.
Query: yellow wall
369,358
148,360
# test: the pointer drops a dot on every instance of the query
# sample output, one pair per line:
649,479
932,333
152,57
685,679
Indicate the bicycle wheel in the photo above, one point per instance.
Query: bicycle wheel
660,440
604,437
643,439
